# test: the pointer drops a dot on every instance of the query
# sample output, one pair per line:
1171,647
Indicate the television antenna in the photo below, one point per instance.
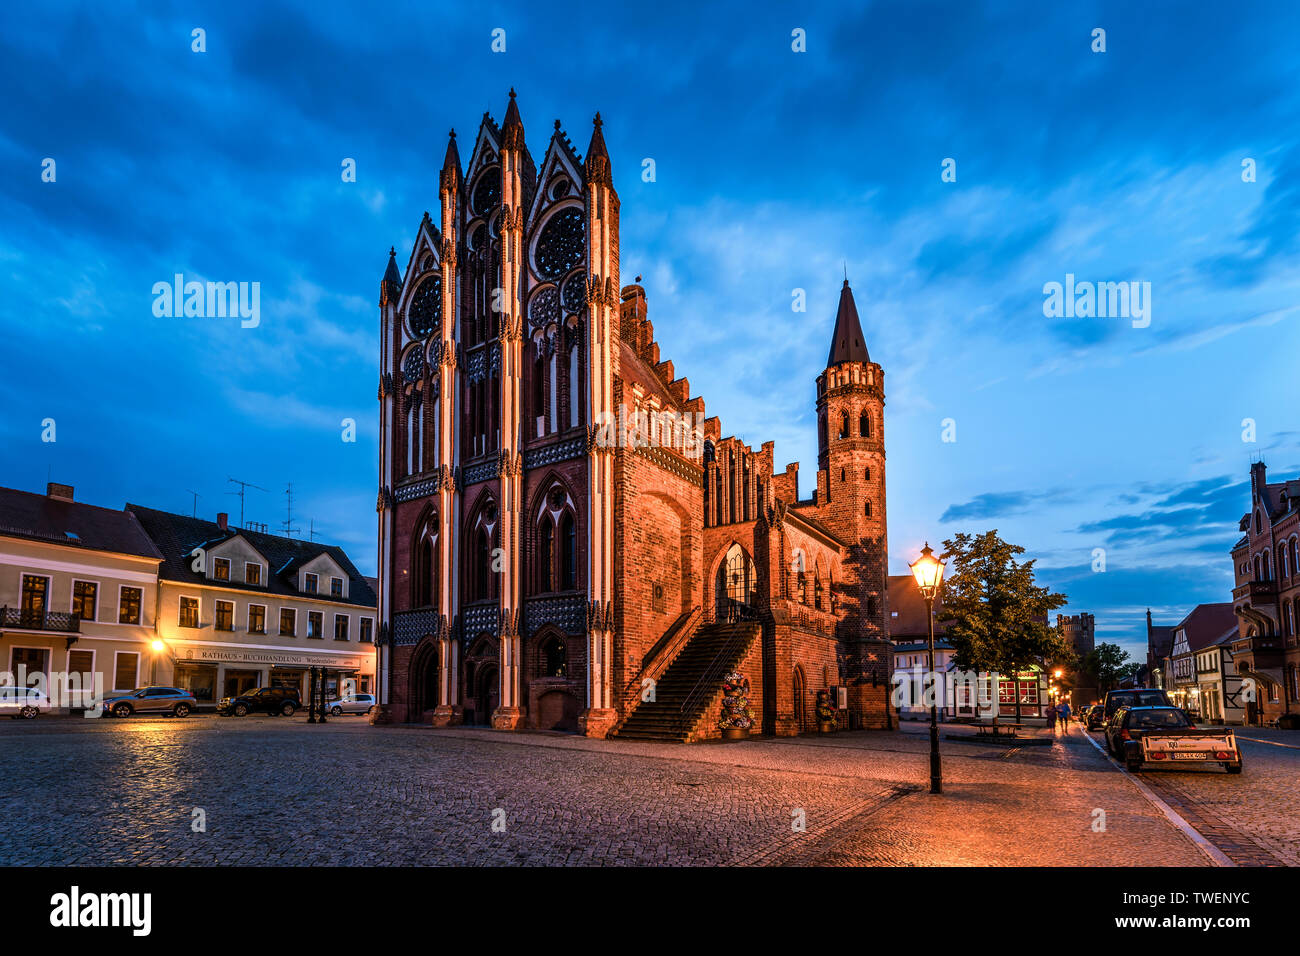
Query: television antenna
288,527
197,496
243,488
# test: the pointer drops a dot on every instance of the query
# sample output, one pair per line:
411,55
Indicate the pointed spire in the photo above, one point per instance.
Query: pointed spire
391,274
391,283
452,159
597,166
512,130
847,342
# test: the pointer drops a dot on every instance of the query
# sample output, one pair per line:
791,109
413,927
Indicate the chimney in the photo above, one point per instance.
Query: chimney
1257,479
222,520
56,490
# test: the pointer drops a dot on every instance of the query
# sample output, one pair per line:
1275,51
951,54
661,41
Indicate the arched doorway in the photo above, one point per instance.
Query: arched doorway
424,680
800,687
430,682
734,587
489,693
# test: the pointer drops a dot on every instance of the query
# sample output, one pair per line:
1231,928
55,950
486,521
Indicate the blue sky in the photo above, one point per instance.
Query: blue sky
774,170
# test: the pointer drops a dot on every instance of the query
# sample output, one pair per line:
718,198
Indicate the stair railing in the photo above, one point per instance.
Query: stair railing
734,613
664,651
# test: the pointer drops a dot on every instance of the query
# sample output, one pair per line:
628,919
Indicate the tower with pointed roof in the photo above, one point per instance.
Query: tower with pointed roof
850,493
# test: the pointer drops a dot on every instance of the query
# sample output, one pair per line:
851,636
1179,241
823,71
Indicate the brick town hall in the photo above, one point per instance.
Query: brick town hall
534,574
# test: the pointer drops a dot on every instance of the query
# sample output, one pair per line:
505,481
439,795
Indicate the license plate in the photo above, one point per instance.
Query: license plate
1189,756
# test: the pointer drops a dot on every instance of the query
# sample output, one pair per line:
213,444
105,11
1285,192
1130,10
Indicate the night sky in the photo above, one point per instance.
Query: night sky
774,171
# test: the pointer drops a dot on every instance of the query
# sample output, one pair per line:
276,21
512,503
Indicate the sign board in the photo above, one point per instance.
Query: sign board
193,653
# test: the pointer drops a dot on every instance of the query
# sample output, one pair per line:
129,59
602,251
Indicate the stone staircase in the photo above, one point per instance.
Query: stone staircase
687,693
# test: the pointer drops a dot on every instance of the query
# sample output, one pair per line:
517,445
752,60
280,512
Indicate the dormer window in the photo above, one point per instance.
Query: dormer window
221,569
309,583
252,573
336,587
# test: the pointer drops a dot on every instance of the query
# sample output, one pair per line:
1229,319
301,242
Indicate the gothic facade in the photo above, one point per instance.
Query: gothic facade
541,565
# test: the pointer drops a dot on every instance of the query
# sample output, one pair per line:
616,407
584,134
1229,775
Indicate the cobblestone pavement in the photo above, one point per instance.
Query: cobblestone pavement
277,791
1253,817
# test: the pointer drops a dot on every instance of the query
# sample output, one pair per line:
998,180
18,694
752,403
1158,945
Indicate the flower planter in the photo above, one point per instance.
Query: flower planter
734,733
826,727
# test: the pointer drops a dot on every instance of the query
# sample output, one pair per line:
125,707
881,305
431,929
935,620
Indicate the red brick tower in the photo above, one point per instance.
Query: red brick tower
851,501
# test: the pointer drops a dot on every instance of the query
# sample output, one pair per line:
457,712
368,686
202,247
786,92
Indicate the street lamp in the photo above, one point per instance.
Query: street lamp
158,647
928,571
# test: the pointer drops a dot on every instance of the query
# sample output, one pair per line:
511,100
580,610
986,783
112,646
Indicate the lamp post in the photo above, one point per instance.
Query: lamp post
928,571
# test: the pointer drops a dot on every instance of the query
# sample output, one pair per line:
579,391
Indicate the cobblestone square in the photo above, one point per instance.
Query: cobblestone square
276,791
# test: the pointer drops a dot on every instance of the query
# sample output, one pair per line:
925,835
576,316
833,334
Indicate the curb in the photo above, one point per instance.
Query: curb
1217,856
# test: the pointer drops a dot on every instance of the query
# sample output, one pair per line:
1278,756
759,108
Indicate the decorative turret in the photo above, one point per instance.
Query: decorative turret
512,130
597,166
451,175
391,283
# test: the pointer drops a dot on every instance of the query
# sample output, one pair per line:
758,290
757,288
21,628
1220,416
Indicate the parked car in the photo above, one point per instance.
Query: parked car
1097,717
1140,735
149,700
25,702
1133,697
352,704
275,701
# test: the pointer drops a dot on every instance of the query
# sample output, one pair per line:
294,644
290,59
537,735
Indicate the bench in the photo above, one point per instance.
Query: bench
1000,729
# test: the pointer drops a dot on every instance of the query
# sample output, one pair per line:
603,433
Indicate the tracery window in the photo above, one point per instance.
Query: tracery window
561,244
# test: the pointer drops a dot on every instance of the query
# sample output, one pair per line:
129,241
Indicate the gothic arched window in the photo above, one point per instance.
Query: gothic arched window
867,509
844,425
864,425
568,553
546,556
553,654
866,474
482,564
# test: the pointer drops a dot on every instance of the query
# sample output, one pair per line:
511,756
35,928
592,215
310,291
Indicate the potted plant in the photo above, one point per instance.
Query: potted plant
825,713
736,718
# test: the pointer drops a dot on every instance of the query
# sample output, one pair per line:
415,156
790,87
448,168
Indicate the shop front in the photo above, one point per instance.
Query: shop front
211,671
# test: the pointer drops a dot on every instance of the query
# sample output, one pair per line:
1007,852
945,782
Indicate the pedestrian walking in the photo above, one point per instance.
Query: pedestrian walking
1063,715
1050,714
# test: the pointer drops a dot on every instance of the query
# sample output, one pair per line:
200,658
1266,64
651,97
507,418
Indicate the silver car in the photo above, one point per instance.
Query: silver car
22,702
150,700
351,704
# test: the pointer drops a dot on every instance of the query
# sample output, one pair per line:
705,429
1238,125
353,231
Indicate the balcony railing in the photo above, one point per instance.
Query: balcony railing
40,620
1255,590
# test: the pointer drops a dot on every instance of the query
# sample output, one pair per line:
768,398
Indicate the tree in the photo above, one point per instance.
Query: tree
1108,664
996,615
